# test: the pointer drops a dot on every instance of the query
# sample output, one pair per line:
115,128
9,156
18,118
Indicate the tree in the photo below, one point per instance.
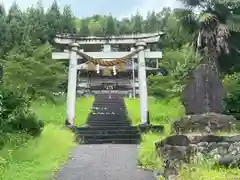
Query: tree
2,10
4,31
95,28
213,27
177,33
137,21
16,26
110,27
84,30
67,20
36,24
125,26
151,22
36,74
53,21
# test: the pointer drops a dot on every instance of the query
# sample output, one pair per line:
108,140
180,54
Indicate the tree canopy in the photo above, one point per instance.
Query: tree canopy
27,38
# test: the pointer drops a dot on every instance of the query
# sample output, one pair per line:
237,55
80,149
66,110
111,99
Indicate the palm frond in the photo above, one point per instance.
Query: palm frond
207,18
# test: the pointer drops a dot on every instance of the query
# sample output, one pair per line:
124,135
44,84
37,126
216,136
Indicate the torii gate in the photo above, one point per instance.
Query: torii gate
139,41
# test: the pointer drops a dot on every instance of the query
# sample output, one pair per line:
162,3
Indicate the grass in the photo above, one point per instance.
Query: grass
147,156
204,170
39,158
164,112
56,113
161,111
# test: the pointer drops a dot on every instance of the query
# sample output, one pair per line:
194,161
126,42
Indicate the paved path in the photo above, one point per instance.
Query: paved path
104,162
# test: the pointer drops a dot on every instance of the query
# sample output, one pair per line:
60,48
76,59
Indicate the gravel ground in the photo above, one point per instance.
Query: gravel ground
104,162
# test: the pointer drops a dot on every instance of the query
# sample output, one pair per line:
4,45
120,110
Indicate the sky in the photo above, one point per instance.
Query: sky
118,8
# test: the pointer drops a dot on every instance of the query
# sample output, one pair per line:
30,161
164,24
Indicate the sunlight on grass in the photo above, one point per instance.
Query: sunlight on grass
203,170
161,111
83,108
147,156
56,113
38,158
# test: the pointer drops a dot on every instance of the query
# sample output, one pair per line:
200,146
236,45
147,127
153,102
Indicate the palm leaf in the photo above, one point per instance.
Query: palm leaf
207,18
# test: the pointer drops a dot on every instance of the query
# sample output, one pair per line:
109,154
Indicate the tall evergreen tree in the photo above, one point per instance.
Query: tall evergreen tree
137,23
53,19
84,30
67,20
110,26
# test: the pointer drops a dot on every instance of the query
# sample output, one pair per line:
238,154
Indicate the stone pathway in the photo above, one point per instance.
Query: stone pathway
104,162
110,145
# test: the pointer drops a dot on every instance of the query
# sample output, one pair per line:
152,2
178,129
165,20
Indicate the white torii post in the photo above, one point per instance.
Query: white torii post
72,85
142,84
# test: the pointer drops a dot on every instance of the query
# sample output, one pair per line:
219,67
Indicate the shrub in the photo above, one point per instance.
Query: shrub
232,86
16,115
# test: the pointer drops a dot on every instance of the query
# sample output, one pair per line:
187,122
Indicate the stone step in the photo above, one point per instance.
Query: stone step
109,106
110,118
108,125
114,118
99,132
106,122
116,135
102,113
111,141
107,128
111,121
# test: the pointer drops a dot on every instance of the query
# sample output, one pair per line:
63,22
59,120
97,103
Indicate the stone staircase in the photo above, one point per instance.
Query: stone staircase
108,123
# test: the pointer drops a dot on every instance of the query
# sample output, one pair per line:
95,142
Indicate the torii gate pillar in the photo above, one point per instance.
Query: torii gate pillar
143,84
72,85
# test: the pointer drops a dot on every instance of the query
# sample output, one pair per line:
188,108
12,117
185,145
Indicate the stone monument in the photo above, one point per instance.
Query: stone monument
204,92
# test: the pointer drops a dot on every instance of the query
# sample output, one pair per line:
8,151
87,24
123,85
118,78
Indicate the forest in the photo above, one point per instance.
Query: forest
29,73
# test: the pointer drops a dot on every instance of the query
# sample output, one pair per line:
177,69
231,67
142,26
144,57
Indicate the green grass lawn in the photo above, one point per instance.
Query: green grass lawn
41,157
160,111
56,113
147,156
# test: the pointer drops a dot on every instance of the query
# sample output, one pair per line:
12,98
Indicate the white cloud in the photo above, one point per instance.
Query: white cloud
143,6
